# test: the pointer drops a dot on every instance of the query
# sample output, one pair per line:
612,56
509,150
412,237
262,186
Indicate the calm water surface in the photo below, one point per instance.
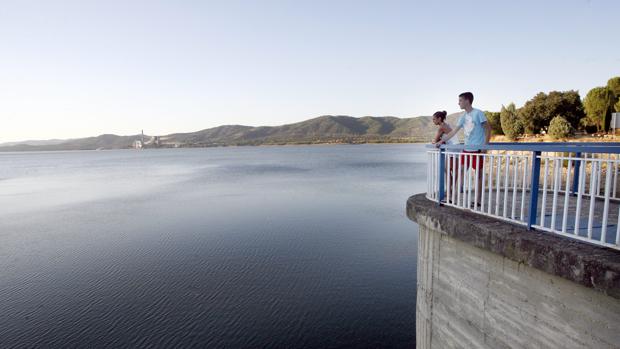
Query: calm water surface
249,247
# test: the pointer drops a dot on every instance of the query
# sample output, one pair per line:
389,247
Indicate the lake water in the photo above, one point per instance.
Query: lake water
241,247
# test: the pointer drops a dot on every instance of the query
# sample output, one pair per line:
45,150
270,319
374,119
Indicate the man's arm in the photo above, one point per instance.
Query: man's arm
452,133
448,136
487,132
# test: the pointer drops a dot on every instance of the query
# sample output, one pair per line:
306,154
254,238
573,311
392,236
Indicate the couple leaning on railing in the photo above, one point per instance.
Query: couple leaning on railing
477,131
571,189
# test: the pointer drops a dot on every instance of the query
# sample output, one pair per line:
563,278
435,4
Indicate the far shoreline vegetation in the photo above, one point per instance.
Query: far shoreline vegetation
560,116
547,117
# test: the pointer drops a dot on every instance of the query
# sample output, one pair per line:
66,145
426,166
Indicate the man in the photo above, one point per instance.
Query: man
477,132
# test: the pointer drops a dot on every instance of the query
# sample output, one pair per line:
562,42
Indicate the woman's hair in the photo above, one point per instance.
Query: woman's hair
441,115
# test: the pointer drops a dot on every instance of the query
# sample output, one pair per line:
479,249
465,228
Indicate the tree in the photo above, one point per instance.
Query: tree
597,106
613,85
494,120
537,113
511,124
560,128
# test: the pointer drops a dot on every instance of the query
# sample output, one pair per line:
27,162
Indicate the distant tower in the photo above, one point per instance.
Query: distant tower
139,144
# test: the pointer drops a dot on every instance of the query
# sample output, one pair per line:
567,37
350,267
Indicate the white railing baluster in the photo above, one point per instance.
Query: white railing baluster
482,186
606,204
507,169
566,196
615,195
556,189
593,180
436,169
491,164
477,162
618,229
599,178
437,161
498,183
580,189
459,179
523,188
543,207
455,188
468,167
588,176
447,178
515,174
433,169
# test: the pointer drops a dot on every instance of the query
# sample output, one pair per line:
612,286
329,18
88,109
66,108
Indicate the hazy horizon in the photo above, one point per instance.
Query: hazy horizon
73,69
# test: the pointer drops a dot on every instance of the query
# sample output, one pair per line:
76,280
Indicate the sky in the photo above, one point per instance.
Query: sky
82,68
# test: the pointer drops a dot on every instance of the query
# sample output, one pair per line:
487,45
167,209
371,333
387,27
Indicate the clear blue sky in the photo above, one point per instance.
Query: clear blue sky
82,68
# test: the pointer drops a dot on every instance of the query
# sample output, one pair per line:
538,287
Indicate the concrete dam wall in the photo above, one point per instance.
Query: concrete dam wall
484,283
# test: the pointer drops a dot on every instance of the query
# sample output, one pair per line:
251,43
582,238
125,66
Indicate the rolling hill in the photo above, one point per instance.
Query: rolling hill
323,129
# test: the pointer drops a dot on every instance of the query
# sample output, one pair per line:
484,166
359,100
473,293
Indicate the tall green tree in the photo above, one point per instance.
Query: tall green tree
494,121
613,85
511,123
537,113
597,106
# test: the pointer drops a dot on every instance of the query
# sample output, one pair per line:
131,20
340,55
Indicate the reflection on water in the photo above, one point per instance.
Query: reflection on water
302,246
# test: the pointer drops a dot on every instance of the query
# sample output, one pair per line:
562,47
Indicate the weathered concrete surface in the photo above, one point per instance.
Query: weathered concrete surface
489,284
589,265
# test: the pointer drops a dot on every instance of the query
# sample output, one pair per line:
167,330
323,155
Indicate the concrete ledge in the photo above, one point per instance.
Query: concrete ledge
586,264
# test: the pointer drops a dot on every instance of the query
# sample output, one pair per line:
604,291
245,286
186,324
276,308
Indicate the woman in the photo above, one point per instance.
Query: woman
439,119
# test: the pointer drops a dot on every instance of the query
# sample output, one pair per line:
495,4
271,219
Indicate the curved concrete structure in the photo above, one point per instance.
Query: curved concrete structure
484,283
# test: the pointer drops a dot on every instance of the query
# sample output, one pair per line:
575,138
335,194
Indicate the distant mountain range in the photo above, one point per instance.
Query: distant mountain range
323,129
34,142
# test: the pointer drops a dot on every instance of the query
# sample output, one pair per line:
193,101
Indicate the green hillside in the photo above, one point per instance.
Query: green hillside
323,129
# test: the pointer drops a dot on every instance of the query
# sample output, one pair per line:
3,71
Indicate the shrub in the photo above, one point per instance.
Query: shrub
560,128
511,124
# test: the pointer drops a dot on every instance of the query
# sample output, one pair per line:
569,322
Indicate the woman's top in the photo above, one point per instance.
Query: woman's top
453,140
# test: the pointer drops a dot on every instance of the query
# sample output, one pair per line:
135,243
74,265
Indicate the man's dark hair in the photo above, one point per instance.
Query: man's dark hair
468,96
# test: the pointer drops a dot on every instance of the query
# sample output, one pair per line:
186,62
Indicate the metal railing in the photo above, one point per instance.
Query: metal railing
576,192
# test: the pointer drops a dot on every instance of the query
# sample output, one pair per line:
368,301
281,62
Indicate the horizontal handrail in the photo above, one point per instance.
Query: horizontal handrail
581,147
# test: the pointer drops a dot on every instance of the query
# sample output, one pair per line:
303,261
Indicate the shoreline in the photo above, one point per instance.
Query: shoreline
495,138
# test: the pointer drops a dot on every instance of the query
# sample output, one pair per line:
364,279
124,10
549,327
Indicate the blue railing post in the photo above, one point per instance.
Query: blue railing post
576,173
531,219
442,174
